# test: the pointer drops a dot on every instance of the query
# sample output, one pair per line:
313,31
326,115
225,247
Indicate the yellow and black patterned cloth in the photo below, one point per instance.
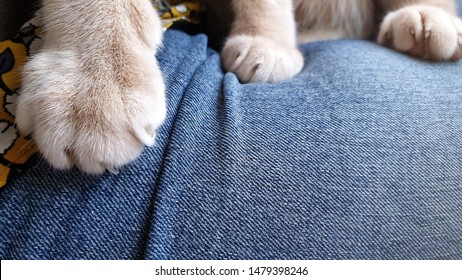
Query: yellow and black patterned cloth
15,150
174,11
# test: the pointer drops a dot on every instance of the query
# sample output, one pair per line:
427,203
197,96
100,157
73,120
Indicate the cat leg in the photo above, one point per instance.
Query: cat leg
262,44
426,29
93,96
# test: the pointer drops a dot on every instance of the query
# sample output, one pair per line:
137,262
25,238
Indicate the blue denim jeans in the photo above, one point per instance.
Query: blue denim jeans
357,157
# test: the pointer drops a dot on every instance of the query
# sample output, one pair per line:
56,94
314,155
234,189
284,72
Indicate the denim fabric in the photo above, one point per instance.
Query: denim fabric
358,157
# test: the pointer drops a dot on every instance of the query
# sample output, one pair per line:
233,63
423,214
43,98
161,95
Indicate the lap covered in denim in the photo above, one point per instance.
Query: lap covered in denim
357,157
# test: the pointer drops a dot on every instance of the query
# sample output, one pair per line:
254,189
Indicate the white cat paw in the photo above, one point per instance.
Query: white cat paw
259,59
423,31
95,123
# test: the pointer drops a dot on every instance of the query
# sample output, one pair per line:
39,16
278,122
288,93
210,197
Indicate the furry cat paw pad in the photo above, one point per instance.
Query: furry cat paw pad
423,31
258,59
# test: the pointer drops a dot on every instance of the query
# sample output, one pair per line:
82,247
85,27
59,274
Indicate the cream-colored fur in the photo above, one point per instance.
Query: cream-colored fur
262,44
94,96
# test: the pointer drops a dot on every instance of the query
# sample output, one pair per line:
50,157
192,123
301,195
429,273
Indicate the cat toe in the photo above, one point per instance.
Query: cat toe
259,59
422,31
95,128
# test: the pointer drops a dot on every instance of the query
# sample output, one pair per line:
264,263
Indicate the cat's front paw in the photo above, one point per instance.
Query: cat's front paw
423,31
259,59
95,122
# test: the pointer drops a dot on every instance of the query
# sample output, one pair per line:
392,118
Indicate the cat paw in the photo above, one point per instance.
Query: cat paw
94,96
94,123
259,59
423,31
